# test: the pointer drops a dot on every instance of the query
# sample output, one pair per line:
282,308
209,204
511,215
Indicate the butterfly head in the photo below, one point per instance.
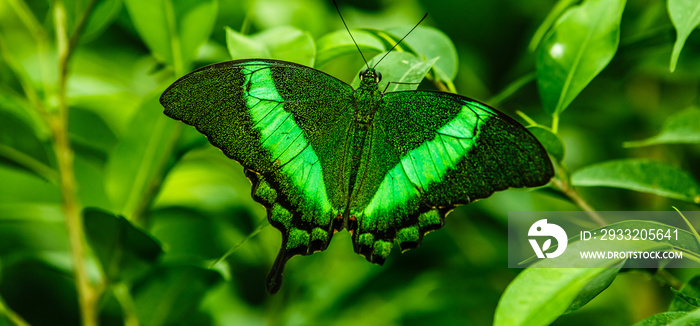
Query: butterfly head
369,75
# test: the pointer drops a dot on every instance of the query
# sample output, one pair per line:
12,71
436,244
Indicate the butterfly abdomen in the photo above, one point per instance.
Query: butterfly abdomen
358,141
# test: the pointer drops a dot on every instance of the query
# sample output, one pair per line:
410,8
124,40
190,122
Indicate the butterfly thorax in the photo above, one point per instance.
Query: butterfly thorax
367,95
368,99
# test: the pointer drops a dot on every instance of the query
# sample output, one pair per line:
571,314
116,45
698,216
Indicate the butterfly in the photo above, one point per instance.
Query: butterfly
323,157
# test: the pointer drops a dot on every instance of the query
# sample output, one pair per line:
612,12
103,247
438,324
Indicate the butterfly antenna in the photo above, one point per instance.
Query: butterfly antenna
348,29
399,42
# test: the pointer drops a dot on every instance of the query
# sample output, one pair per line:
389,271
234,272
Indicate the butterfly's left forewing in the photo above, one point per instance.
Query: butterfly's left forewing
432,151
288,126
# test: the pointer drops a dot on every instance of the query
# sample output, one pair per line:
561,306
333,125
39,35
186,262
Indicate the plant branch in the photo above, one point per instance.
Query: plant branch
669,279
511,89
570,191
87,294
29,162
11,316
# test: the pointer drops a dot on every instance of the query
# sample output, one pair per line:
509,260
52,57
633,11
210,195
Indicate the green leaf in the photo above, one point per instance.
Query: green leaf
688,298
682,127
580,45
189,235
21,224
403,70
20,146
539,295
173,30
102,15
337,52
690,319
551,141
171,293
685,15
124,251
242,47
281,43
430,43
89,175
138,160
664,318
214,184
640,175
88,129
548,21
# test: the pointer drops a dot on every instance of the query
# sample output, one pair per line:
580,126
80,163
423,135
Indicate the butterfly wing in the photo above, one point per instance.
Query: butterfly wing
432,151
287,125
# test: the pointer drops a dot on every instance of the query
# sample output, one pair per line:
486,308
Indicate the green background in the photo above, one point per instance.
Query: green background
164,205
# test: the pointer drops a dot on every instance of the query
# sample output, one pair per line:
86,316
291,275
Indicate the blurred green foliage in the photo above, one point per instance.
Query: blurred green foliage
603,84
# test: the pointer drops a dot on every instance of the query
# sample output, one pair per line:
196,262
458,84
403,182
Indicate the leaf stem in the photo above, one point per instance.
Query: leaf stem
511,89
39,35
121,293
561,183
669,279
527,118
29,162
178,64
153,186
11,316
58,122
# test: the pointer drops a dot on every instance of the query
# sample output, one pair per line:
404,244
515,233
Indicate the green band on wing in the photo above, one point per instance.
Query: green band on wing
415,174
284,139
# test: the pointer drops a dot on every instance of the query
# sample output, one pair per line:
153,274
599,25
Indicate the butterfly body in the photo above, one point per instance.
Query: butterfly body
323,157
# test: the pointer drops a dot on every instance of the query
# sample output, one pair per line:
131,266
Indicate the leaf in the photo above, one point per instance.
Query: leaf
640,175
90,176
124,251
685,15
242,47
682,127
594,287
189,235
21,224
431,43
579,46
690,319
539,295
552,142
339,43
688,298
664,318
88,129
171,293
19,187
208,181
102,15
138,160
336,52
282,43
400,71
548,21
20,146
173,30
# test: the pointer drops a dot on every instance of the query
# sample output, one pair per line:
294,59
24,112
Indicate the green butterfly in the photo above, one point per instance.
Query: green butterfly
323,157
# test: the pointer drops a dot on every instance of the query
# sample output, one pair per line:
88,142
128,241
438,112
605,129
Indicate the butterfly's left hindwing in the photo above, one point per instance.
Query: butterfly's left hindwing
432,151
287,125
